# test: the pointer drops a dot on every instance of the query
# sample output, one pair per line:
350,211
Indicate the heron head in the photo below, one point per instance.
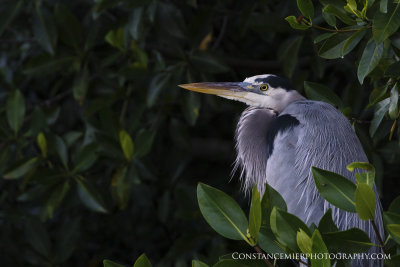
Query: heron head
264,91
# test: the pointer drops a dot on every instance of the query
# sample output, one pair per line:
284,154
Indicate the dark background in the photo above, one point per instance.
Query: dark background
88,69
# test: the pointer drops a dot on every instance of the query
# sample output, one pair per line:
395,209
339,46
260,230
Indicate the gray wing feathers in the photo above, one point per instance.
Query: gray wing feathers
319,122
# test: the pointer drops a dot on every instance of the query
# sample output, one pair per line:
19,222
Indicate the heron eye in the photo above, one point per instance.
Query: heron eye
264,87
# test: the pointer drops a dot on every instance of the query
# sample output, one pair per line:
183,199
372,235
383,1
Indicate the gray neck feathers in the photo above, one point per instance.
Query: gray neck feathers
251,146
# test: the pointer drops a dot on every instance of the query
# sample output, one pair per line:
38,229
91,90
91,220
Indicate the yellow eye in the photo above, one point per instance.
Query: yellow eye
264,87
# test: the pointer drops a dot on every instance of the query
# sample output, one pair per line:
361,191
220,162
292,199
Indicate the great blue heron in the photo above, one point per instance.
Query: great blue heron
281,135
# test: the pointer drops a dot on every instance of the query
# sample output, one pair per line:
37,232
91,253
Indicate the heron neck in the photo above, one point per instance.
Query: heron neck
284,100
251,145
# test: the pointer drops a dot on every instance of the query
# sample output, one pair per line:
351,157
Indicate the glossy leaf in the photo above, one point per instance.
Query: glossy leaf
334,188
304,241
369,60
21,168
380,110
391,218
42,143
395,205
320,92
267,241
385,24
285,227
270,199
197,263
353,240
340,14
365,201
45,30
143,142
221,212
326,224
108,263
9,13
15,108
367,177
393,71
394,102
158,83
85,158
69,27
126,143
353,41
89,195
319,247
394,229
255,214
142,261
306,7
56,197
81,85
292,20
333,46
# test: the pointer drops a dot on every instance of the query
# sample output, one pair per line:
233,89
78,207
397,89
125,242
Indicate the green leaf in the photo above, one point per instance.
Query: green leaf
255,215
197,263
394,229
336,189
20,168
58,144
90,197
391,218
191,107
383,6
393,71
292,20
366,177
385,24
158,83
340,14
126,143
44,29
270,199
365,201
329,18
222,213
116,38
333,46
320,92
15,108
394,102
81,85
108,263
285,227
9,11
380,110
45,65
326,223
319,247
42,143
85,158
306,8
353,240
303,241
323,37
69,27
56,197
142,261
353,41
395,206
267,242
143,142
37,237
369,60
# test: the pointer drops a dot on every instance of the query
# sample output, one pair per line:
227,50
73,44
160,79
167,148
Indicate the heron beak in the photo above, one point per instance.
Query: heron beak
224,89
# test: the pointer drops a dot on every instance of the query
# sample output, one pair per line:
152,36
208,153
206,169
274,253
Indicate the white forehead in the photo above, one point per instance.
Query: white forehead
259,78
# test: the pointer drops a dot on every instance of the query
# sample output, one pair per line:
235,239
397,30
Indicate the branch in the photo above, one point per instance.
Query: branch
377,233
259,250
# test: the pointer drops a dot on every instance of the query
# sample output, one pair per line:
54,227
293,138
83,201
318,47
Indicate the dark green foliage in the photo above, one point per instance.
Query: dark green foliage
101,152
